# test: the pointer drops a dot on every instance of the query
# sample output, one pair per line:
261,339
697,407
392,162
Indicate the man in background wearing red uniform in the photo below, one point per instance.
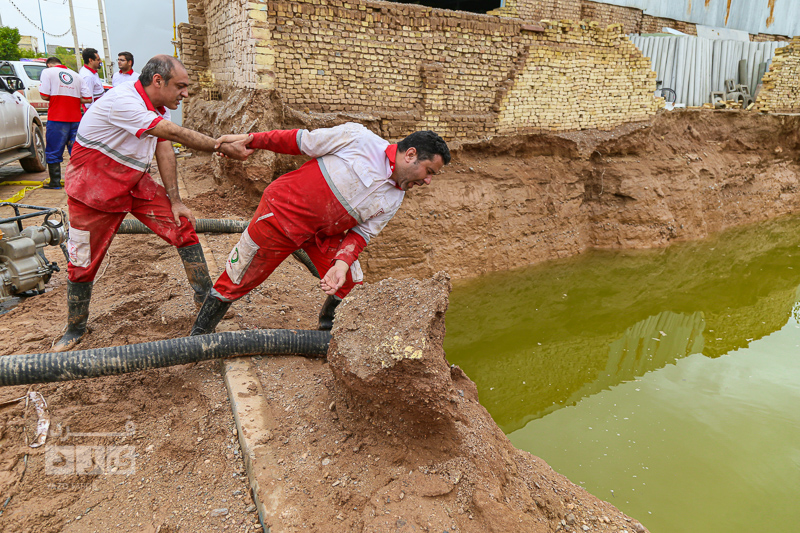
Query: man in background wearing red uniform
64,89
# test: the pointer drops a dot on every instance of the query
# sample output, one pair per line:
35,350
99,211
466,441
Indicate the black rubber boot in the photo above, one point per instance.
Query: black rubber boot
327,313
196,271
78,297
209,316
54,169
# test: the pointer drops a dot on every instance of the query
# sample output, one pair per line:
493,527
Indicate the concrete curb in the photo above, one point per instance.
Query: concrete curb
254,426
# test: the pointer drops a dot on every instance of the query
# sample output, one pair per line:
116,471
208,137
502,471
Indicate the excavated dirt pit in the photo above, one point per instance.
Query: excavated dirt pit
502,203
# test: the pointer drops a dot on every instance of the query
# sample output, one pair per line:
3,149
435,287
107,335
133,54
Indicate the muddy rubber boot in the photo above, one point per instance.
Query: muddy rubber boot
54,169
194,262
327,313
209,316
78,297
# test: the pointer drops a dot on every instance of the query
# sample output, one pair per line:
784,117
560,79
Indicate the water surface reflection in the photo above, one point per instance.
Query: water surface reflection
543,338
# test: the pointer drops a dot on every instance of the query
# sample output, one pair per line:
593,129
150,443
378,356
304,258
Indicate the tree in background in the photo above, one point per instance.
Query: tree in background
9,39
29,54
67,57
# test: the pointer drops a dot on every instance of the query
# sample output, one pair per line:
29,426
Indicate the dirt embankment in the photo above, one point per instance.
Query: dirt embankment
507,202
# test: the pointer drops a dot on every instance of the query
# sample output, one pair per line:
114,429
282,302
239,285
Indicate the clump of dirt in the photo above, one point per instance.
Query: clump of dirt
389,360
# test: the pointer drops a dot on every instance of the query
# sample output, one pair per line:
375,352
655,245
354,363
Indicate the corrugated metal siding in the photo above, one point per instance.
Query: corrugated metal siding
747,15
693,66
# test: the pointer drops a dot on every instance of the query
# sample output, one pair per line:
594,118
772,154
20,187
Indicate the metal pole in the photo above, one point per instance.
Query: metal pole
78,60
44,39
174,31
104,33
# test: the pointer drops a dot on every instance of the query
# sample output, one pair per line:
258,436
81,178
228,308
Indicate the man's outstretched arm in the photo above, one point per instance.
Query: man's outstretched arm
172,132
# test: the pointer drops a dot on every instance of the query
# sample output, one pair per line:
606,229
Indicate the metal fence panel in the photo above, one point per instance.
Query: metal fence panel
693,66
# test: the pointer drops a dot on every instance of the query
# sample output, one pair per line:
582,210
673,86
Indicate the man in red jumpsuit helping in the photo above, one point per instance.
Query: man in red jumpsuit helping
330,207
108,177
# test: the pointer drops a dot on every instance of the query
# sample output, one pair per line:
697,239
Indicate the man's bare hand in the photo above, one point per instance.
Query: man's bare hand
180,210
230,139
335,278
237,149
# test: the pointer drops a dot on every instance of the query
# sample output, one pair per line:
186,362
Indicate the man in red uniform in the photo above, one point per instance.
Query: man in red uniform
330,207
64,89
107,177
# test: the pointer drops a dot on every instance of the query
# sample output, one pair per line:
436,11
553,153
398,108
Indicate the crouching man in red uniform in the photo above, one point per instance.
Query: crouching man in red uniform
108,177
330,207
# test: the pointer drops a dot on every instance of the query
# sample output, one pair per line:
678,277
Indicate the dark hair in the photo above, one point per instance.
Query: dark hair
127,55
163,65
428,144
88,54
52,61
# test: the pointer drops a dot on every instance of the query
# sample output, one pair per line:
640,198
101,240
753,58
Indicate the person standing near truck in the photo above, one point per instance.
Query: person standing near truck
64,90
126,72
88,72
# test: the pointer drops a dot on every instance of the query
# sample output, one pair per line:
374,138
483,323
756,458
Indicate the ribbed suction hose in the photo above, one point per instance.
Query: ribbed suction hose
65,366
204,225
214,225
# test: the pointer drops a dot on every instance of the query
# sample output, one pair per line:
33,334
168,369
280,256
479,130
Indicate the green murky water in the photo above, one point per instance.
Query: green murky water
664,381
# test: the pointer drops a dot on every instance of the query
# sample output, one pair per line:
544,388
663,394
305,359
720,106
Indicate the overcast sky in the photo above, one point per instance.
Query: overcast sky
141,27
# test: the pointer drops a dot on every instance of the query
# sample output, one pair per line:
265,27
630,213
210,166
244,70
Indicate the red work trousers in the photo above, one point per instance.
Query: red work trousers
273,246
91,231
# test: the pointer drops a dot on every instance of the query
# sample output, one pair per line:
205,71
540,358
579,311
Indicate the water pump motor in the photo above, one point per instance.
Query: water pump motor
23,265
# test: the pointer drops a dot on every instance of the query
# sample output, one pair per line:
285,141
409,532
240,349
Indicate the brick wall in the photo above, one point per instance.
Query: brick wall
633,20
232,46
781,85
579,76
193,43
650,24
461,74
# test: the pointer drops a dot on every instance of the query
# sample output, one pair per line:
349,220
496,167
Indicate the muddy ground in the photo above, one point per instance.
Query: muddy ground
500,203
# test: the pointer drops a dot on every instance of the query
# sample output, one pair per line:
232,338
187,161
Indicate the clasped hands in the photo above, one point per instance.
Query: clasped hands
234,146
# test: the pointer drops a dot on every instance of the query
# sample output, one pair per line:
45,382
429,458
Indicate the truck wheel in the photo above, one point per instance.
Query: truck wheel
36,162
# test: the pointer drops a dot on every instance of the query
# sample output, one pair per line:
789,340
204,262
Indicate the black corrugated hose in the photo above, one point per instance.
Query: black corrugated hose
204,225
65,366
214,225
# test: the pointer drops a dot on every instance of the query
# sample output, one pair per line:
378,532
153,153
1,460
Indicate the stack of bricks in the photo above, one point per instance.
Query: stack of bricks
633,20
780,92
579,76
766,37
650,24
606,14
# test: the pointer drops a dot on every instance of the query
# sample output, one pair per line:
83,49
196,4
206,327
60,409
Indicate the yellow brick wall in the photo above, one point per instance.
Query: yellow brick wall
576,77
465,75
780,92
231,44
633,20
420,67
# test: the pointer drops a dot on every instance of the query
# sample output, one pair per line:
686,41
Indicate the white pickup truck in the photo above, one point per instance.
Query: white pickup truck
30,73
21,131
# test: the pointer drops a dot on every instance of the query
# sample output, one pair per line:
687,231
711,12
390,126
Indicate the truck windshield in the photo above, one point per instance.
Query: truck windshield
34,72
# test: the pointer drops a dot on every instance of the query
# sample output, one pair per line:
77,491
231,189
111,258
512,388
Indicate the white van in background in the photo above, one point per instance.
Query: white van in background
29,72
